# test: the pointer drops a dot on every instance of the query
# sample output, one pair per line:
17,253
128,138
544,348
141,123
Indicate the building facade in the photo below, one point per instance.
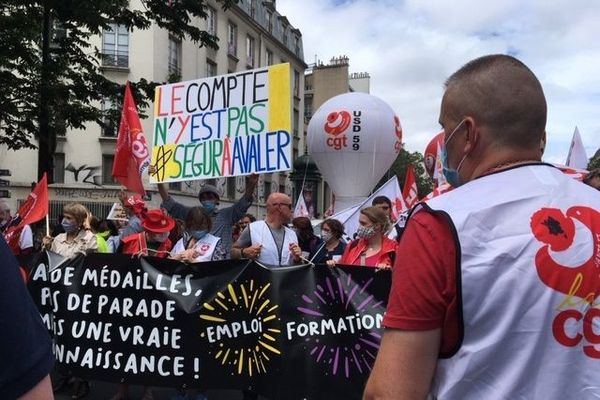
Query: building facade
251,34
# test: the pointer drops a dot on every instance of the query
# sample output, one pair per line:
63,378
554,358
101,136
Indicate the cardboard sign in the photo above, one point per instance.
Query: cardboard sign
117,213
227,125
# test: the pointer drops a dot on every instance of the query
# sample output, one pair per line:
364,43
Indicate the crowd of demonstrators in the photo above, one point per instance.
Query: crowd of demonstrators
270,241
223,219
473,309
197,243
372,247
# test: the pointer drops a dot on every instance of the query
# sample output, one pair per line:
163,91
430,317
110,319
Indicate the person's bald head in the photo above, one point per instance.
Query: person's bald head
503,96
279,205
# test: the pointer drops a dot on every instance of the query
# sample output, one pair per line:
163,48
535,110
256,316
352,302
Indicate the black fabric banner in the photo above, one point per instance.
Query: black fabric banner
296,332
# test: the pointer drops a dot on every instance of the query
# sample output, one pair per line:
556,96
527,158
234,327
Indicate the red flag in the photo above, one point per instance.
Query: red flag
32,210
409,192
131,153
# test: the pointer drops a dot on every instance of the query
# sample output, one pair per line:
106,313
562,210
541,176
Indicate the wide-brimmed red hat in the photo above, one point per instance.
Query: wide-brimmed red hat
156,221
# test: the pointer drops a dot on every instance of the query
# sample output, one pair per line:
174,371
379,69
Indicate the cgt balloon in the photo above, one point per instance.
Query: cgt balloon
354,138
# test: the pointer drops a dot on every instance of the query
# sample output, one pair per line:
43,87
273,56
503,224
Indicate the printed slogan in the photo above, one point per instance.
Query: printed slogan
227,125
222,325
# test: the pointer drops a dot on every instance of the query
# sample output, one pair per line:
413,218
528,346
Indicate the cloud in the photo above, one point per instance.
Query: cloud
410,47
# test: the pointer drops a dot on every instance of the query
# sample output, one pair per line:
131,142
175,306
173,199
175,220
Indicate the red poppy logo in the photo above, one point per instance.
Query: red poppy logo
337,122
557,231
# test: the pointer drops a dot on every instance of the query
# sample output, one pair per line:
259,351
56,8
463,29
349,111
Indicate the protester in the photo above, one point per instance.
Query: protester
100,229
385,204
593,179
154,240
197,244
113,237
270,241
25,348
372,248
135,207
332,246
222,219
241,225
23,239
485,302
307,240
77,239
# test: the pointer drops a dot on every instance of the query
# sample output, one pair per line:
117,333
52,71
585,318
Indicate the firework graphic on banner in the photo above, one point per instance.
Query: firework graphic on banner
358,353
243,311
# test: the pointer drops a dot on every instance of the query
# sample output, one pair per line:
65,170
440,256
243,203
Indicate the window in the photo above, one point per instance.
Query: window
174,56
307,108
115,46
211,21
296,83
252,8
296,46
296,121
267,185
175,186
232,39
270,21
110,116
59,168
250,51
107,166
269,57
211,68
231,188
285,35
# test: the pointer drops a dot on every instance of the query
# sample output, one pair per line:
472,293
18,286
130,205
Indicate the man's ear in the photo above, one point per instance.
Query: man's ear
472,137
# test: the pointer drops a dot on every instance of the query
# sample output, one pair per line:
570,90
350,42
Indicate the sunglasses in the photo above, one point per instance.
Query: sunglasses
283,204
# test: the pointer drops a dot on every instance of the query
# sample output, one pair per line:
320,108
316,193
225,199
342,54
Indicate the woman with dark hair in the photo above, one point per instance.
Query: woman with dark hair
307,240
332,246
372,248
197,244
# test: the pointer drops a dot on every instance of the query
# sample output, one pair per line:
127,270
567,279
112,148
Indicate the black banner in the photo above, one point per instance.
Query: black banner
295,332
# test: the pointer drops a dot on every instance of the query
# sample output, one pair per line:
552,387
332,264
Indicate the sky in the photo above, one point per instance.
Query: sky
410,47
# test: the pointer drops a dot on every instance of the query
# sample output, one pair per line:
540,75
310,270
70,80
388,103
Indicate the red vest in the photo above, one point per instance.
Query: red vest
136,243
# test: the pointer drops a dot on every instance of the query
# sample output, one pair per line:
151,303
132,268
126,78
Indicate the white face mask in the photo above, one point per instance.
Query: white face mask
365,232
326,236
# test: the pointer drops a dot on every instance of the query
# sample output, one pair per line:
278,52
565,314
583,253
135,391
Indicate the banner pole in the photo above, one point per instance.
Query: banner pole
47,225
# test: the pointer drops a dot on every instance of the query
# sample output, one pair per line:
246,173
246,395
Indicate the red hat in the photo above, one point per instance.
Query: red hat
135,203
156,221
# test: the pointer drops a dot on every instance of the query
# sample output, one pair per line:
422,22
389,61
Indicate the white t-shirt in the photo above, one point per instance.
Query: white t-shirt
26,238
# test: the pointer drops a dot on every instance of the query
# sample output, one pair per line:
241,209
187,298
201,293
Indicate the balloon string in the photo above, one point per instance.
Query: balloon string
304,178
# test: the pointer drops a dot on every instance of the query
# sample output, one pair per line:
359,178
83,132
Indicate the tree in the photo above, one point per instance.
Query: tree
594,161
398,168
50,74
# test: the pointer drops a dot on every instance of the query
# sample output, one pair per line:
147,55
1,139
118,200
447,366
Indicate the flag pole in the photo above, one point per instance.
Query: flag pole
47,225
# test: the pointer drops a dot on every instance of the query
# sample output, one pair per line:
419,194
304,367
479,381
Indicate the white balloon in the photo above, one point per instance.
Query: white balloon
354,138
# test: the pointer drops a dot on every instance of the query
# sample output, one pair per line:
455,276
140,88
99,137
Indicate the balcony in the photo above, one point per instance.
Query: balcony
116,59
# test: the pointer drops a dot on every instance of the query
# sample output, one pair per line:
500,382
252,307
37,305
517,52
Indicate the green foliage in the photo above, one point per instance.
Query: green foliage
398,168
73,84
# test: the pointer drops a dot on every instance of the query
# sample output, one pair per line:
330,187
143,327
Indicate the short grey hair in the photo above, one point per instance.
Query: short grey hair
4,206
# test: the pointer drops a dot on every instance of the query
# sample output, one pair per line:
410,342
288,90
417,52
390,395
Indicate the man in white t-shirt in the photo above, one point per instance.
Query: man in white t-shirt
25,242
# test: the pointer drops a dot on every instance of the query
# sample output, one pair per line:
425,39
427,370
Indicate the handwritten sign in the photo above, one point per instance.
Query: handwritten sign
117,213
227,125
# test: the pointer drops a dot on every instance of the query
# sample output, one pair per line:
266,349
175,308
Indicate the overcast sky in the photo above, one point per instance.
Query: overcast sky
410,47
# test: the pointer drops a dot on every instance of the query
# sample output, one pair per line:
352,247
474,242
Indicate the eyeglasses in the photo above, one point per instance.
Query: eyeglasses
283,204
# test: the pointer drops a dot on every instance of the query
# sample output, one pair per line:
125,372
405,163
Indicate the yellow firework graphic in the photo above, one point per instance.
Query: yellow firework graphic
244,328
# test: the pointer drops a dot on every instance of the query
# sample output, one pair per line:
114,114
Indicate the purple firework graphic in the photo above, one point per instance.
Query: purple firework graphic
358,354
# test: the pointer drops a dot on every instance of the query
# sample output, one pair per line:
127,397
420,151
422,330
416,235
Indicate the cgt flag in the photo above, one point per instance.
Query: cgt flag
32,210
131,153
577,157
410,193
301,210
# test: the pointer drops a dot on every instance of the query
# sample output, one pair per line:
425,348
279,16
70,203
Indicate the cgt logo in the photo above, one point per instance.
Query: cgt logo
579,311
337,123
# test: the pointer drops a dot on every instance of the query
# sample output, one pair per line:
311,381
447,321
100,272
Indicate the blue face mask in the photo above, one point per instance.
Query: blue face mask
208,205
69,227
451,174
198,234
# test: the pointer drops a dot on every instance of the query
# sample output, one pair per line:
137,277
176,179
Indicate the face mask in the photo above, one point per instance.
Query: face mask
326,236
198,234
69,227
450,174
365,233
208,205
159,237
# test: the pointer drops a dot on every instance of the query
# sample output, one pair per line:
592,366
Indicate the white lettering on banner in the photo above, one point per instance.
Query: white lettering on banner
350,323
138,280
233,330
126,307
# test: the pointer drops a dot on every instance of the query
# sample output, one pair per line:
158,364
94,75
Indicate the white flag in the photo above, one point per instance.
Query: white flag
577,157
391,190
301,210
